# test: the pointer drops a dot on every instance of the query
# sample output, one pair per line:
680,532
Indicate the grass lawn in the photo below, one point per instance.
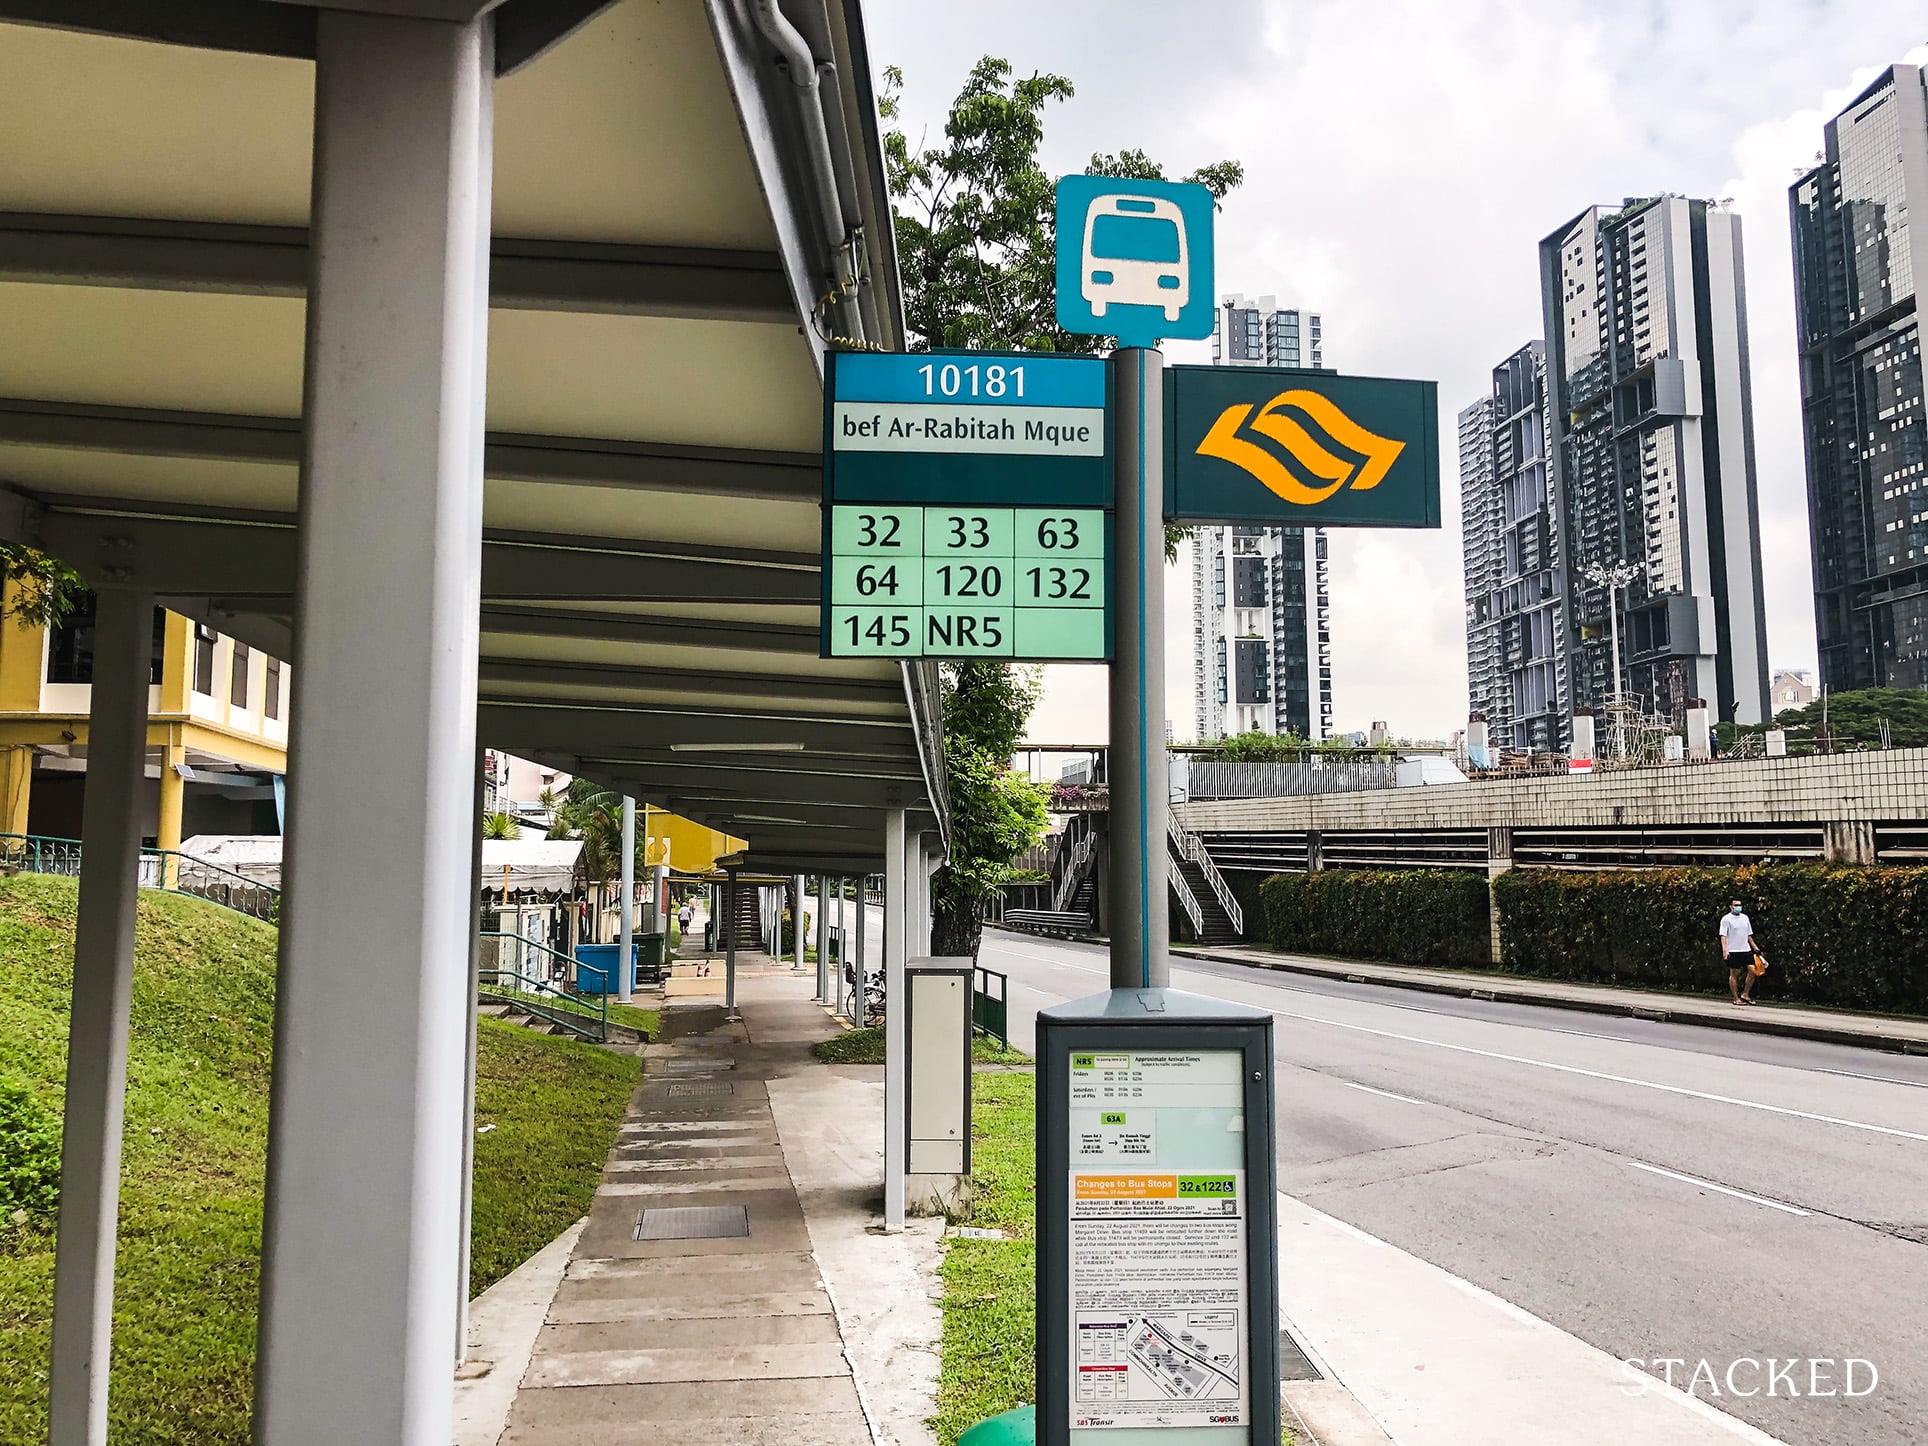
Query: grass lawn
866,1046
197,1117
650,1021
990,1301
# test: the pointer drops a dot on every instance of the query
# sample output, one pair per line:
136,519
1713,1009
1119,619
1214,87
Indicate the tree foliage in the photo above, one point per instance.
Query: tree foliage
1853,720
500,825
996,813
977,236
45,589
977,249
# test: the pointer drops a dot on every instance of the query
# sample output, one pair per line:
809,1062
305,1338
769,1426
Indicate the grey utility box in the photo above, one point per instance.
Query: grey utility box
1158,1308
937,1021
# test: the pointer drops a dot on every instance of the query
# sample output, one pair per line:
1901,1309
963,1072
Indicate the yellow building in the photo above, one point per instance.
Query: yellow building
217,732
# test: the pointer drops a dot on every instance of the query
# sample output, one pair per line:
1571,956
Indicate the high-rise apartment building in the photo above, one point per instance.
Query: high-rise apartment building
1651,439
1860,218
1261,617
1515,584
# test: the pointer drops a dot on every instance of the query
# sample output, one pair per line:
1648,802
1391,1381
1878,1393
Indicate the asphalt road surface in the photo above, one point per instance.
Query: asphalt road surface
1658,1190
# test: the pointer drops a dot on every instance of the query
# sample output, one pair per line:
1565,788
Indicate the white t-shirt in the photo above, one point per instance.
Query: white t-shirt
1735,931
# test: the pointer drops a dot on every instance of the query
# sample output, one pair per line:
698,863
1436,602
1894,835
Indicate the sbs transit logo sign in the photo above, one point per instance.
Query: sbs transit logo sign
1290,447
1323,440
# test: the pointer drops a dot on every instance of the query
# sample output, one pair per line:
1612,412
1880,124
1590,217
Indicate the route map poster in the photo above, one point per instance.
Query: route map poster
1158,1239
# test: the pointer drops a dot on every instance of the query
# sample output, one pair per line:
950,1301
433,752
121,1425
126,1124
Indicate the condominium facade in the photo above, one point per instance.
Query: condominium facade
1651,441
1860,218
1515,583
1261,611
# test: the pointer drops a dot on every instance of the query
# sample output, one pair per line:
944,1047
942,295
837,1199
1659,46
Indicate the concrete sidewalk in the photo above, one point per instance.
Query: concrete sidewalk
1830,1026
727,1287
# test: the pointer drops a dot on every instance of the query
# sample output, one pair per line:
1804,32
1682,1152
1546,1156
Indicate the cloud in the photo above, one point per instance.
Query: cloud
1404,159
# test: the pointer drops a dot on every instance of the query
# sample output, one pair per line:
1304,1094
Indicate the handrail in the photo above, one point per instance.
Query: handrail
168,869
572,1011
1192,847
542,948
1074,874
1188,899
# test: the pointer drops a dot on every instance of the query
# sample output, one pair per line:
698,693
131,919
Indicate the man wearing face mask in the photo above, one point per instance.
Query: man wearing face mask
1737,943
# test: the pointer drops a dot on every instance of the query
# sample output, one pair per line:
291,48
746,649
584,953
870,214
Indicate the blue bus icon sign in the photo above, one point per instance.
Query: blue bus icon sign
1134,259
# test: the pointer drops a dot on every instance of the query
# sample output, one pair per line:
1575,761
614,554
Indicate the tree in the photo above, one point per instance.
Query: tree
977,237
500,825
996,813
45,588
977,248
1854,720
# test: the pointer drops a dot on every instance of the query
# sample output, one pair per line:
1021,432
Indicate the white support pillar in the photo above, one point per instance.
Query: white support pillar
797,931
897,859
462,1258
862,959
823,939
365,1154
729,946
90,1141
626,925
843,939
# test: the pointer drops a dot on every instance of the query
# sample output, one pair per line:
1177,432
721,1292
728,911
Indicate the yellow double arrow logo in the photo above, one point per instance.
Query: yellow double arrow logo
1280,421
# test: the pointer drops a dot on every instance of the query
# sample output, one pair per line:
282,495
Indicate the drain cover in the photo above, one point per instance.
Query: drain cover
698,1089
693,1222
698,1066
1294,1363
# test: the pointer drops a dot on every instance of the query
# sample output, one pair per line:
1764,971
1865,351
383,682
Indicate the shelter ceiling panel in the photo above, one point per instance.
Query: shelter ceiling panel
637,102
720,701
535,647
100,126
656,516
53,472
172,350
654,379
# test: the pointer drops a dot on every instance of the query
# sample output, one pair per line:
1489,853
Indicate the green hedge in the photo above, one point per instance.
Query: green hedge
1854,937
1420,916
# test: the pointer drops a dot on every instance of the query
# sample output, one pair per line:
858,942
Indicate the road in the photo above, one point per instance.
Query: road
1657,1190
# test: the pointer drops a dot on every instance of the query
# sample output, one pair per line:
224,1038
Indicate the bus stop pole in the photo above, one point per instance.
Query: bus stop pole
1140,776
729,947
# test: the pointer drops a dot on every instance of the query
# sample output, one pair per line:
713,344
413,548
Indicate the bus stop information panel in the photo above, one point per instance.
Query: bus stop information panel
1157,1227
967,506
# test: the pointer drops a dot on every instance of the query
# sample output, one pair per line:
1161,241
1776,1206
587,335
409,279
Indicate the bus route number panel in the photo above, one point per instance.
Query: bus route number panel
967,582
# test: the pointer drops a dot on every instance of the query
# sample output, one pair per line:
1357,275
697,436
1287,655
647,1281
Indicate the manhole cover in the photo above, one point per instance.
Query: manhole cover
698,1066
693,1222
698,1089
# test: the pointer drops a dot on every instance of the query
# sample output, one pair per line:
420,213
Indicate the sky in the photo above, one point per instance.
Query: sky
1403,159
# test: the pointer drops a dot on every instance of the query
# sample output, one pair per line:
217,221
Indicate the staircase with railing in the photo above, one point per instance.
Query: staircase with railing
168,869
527,981
1215,912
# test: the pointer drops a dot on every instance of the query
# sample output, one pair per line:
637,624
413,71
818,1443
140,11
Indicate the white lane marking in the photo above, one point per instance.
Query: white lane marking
1610,1078
1001,948
1913,1084
1710,1185
1383,1094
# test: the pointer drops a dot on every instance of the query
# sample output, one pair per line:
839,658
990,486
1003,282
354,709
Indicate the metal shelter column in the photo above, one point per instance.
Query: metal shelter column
90,1140
626,925
896,1044
858,974
365,1159
823,938
729,945
1140,777
796,924
465,1240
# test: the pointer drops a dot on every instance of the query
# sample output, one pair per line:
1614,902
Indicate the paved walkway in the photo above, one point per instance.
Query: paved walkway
1871,1031
792,1322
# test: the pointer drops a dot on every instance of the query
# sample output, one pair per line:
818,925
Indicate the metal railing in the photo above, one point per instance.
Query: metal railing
990,1009
168,869
1190,901
1075,869
521,986
1191,846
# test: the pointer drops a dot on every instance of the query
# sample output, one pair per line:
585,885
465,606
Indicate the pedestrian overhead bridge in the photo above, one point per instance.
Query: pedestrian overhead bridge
262,264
